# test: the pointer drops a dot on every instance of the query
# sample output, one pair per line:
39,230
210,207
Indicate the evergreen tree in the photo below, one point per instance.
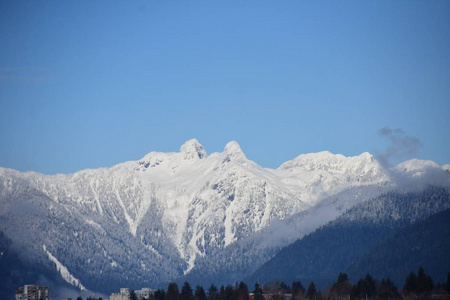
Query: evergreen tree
186,292
229,292
297,290
159,294
387,290
410,285
222,293
243,291
200,293
364,288
371,286
212,292
173,293
79,298
284,288
342,277
311,293
358,290
447,284
424,282
258,293
342,288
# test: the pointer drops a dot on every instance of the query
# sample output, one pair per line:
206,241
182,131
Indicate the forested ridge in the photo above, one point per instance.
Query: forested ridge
406,229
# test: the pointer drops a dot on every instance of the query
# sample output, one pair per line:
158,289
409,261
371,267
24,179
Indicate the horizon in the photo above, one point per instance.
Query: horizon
92,84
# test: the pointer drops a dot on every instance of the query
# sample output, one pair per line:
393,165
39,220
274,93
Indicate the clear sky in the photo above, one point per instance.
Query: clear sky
87,84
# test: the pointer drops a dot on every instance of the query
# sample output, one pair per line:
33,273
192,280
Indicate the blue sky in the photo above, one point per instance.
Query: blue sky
87,84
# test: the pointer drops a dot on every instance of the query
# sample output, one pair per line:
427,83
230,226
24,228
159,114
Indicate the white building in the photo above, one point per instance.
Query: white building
144,293
124,294
32,292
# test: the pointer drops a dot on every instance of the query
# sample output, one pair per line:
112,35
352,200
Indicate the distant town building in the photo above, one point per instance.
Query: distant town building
32,292
124,294
144,293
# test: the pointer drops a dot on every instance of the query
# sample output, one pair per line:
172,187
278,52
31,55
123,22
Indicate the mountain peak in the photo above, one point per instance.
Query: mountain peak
366,155
417,167
233,149
335,163
193,149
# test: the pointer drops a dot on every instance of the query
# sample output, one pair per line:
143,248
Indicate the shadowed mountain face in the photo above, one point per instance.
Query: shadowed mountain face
425,243
16,270
147,222
388,236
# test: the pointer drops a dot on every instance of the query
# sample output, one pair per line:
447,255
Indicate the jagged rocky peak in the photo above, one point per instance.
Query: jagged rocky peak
192,149
233,150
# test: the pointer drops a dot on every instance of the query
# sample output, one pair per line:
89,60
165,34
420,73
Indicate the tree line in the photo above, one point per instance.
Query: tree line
416,286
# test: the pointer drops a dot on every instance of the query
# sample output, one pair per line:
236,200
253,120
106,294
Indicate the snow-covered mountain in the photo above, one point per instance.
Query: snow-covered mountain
149,221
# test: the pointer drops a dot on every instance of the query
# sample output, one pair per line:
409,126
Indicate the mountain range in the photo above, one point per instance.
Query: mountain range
188,215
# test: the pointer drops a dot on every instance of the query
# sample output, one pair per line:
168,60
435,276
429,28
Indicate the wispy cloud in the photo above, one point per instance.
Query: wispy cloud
401,146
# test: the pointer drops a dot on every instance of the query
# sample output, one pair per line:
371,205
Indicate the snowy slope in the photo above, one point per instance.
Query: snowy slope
150,220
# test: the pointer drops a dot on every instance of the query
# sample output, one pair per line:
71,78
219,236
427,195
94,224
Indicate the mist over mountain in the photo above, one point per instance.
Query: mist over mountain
170,216
372,237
